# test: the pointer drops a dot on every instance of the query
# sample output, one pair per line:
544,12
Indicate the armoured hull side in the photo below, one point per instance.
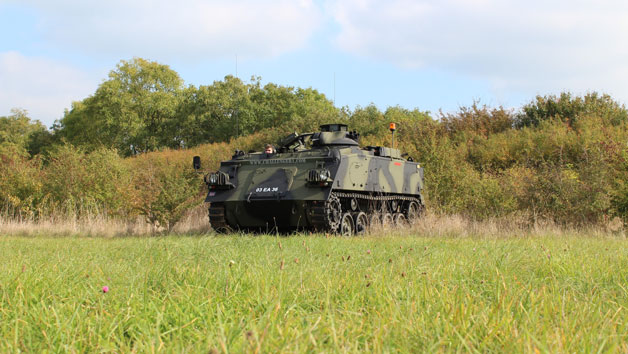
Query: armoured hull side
362,171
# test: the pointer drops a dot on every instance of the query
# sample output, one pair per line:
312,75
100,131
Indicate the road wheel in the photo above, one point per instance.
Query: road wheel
394,205
413,212
346,225
400,220
361,221
387,220
375,220
354,204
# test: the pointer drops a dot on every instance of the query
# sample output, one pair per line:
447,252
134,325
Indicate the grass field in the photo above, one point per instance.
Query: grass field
239,293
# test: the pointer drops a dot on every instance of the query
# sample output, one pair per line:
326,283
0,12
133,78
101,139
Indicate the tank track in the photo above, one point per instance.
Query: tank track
217,218
320,213
323,217
377,198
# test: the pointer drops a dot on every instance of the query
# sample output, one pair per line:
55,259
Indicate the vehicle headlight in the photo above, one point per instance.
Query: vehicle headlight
218,180
319,175
213,179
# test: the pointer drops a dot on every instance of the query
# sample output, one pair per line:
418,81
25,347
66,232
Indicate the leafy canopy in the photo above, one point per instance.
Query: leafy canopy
144,106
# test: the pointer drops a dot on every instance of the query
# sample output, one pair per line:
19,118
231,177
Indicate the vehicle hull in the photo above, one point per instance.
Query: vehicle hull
283,191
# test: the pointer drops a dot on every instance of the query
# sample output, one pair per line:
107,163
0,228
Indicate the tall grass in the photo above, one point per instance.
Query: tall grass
377,293
195,222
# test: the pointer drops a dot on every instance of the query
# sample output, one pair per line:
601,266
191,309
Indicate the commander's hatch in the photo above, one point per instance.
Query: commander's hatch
335,134
330,134
334,128
294,142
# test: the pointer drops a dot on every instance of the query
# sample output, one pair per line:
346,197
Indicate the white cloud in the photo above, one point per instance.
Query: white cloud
41,86
528,46
173,30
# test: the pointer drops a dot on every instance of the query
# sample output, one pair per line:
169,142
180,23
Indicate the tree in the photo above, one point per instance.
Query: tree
477,120
570,109
131,111
231,108
143,106
24,133
216,112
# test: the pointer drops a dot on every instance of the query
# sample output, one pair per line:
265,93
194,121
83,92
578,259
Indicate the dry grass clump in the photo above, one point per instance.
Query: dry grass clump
63,226
444,225
194,221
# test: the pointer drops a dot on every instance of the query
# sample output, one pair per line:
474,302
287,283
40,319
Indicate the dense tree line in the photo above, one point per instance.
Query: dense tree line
561,158
144,106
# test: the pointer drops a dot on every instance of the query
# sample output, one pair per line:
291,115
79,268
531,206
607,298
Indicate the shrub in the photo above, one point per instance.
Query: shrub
570,109
162,190
20,182
477,121
77,182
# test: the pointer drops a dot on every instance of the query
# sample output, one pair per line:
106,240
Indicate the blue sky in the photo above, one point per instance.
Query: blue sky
425,54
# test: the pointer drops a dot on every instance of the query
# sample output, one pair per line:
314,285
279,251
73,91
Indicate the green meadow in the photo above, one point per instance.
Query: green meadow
241,293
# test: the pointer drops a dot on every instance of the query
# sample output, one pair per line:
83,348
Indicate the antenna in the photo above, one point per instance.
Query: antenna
237,108
334,89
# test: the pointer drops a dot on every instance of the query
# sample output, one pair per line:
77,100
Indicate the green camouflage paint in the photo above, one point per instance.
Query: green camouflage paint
268,191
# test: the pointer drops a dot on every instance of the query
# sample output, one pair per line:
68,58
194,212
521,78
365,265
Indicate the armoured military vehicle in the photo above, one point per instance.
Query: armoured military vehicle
321,181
